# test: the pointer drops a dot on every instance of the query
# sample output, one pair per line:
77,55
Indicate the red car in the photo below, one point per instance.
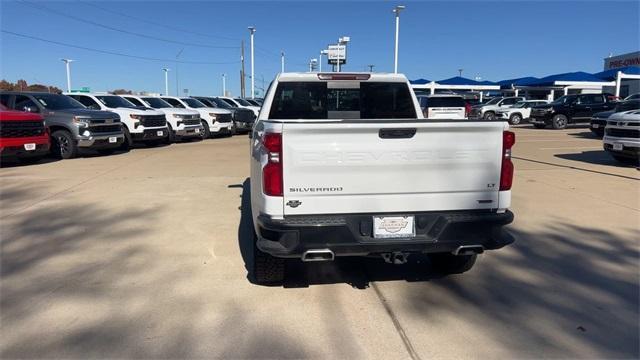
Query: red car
23,135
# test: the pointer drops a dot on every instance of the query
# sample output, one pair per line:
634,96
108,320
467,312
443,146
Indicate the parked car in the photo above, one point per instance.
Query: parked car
215,121
72,126
487,111
622,136
569,109
181,123
519,111
633,97
237,102
143,125
443,106
23,136
599,120
243,119
338,178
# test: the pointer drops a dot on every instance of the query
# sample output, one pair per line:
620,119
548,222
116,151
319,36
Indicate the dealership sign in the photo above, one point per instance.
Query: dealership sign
337,53
620,61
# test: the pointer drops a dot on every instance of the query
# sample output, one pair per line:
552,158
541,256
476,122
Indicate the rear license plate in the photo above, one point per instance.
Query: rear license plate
113,139
595,126
385,227
617,147
30,146
160,133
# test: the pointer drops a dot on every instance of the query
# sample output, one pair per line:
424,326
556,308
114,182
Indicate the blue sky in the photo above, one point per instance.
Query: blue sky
493,40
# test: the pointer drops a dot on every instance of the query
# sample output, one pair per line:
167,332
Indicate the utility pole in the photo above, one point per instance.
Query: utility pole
371,67
242,87
282,61
166,81
67,62
252,31
460,72
177,78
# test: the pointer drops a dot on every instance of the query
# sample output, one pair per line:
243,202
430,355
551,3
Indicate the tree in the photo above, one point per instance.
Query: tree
7,86
122,92
21,85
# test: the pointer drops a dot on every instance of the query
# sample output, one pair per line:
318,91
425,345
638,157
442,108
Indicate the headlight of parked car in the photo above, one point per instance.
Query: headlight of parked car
81,121
136,117
214,116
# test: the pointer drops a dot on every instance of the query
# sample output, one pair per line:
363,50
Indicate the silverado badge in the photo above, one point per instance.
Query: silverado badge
294,203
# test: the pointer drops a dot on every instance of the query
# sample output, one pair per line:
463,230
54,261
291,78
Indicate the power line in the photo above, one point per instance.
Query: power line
116,53
47,9
157,24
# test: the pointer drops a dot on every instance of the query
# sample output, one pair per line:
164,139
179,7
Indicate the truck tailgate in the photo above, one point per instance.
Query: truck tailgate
367,166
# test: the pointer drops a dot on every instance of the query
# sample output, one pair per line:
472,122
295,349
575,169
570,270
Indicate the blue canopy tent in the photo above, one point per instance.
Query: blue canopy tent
419,81
611,74
455,83
510,83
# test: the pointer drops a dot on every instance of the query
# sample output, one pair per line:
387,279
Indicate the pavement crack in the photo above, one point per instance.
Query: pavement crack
396,323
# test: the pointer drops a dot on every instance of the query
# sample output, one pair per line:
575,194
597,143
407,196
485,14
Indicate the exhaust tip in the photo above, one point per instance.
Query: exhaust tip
468,250
318,255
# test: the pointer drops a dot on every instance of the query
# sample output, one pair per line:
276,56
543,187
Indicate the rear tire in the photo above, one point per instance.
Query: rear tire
267,269
447,263
597,132
559,122
489,115
172,136
515,119
64,145
128,141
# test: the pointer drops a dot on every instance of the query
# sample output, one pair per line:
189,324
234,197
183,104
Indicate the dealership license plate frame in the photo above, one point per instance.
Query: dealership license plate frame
30,146
618,146
380,231
113,139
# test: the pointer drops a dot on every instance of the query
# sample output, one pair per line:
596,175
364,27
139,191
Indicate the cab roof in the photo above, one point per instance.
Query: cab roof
337,76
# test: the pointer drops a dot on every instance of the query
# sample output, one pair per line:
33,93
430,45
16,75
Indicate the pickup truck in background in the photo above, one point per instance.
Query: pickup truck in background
237,102
622,136
569,109
181,123
599,120
73,127
243,119
488,110
443,106
23,136
344,164
519,111
215,121
143,125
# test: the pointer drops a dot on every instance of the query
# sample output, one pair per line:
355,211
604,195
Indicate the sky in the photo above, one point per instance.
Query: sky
491,40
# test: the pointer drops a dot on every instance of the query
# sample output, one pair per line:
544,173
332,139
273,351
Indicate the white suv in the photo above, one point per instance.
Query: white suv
518,112
487,111
214,120
182,123
237,102
140,124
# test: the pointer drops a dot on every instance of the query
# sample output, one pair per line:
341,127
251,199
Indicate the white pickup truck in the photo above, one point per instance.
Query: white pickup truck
346,165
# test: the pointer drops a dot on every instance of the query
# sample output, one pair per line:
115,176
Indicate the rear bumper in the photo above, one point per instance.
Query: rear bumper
351,234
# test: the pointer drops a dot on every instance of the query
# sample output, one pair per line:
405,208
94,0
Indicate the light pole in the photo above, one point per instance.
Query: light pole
177,78
343,41
322,52
312,64
252,30
224,84
282,61
460,72
371,67
395,58
166,81
67,62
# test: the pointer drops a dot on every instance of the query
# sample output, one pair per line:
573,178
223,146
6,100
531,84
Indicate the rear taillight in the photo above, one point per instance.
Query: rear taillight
506,172
272,171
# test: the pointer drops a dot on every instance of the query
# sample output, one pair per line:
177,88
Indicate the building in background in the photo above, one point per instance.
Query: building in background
627,62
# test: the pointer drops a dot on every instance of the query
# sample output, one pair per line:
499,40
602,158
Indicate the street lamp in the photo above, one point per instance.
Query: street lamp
343,41
67,62
312,64
397,10
460,72
166,81
282,61
322,52
252,30
224,84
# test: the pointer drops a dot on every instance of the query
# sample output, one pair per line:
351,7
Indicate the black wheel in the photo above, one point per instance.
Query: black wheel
559,121
540,126
447,263
515,119
172,136
267,269
489,115
128,141
206,133
234,129
64,145
106,151
597,132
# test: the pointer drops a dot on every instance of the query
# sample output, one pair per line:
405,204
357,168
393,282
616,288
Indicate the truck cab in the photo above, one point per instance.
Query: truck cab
215,121
344,164
570,109
144,125
73,127
181,123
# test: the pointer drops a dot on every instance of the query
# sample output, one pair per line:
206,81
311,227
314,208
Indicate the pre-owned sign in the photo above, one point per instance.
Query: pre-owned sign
620,61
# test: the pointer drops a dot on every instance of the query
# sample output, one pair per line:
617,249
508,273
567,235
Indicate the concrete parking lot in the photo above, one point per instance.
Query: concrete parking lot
144,255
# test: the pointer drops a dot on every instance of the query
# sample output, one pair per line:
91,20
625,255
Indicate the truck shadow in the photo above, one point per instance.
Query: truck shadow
596,157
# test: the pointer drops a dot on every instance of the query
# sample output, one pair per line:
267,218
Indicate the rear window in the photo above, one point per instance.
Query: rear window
442,101
365,100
